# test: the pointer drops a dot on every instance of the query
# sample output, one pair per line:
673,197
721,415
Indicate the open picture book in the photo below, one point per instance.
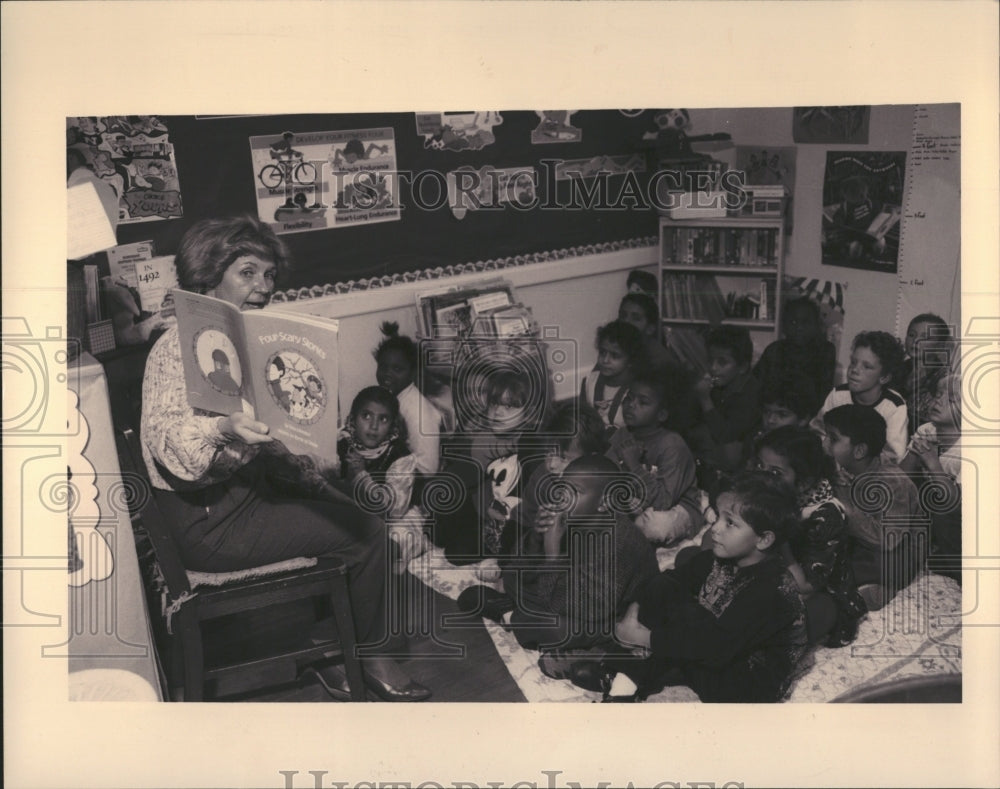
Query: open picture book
281,368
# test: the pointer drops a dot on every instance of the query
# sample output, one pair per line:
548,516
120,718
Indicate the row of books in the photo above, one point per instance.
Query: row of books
698,297
488,310
722,246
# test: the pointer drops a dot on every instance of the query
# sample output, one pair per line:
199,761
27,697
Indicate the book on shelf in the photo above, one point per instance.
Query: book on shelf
487,309
720,246
278,367
150,278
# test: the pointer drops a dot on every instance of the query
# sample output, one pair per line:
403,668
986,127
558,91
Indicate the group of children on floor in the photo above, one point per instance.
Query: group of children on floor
806,494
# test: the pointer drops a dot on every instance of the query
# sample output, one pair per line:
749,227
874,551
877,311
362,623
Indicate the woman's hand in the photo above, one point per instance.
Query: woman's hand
242,427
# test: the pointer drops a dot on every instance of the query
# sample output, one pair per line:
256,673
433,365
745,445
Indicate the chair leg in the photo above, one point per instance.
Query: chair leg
189,633
345,630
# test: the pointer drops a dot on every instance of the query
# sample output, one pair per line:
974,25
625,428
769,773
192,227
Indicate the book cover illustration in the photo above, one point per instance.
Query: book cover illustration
281,368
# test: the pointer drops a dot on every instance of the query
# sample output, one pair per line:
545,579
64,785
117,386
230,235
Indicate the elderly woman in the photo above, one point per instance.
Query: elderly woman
226,513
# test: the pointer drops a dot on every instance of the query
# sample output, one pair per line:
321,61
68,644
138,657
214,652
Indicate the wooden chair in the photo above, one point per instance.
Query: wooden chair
193,598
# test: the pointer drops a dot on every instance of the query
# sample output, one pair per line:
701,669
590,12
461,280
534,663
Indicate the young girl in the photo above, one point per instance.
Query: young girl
927,336
934,456
803,349
619,353
398,358
373,452
664,466
817,554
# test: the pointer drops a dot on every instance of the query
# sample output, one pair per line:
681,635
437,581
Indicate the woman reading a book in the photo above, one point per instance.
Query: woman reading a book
214,474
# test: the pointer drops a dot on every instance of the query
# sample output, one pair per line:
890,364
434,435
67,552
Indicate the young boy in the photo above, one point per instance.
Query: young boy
544,605
876,357
729,623
729,398
883,561
660,460
788,400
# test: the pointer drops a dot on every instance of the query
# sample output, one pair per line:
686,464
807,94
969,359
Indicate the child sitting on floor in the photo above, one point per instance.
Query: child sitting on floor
803,349
641,311
398,360
377,468
670,504
883,561
729,397
729,623
817,552
619,354
933,457
573,597
928,338
875,360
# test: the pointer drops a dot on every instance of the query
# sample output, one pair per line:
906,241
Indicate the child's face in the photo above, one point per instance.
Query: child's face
838,446
589,490
558,458
611,359
723,367
776,465
775,415
642,407
946,407
732,537
865,373
916,331
393,371
634,314
801,326
372,424
503,415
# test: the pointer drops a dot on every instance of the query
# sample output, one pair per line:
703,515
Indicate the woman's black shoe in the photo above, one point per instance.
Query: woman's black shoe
333,680
413,691
591,675
485,602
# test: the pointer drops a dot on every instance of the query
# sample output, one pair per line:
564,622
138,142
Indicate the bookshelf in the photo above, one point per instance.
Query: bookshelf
722,271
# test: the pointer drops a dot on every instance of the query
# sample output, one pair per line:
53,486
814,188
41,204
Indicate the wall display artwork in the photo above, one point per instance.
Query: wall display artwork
862,205
554,126
489,188
567,169
134,155
839,125
773,166
457,131
319,180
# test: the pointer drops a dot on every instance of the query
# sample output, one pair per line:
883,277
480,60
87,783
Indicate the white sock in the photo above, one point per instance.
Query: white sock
506,617
621,685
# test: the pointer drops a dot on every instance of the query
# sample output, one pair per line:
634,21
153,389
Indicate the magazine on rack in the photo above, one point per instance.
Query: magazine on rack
281,368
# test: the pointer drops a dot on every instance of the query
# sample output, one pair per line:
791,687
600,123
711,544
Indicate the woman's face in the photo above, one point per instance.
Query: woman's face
248,283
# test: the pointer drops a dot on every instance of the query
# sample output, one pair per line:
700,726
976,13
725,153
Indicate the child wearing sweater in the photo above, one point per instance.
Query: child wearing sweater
669,502
729,623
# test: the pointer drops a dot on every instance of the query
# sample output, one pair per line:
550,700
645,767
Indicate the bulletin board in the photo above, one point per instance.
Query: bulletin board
213,157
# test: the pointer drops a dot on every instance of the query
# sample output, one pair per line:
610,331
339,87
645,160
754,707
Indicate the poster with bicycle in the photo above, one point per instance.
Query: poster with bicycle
318,180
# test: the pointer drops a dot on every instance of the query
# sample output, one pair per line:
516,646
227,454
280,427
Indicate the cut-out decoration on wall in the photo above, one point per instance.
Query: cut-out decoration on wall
134,155
669,147
554,126
862,199
457,131
589,168
489,188
842,125
319,180
772,166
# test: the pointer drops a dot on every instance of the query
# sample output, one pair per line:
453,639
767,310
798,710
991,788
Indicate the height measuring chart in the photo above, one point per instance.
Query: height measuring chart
931,230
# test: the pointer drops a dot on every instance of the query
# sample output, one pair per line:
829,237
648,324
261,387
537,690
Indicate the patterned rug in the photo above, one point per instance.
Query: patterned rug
917,634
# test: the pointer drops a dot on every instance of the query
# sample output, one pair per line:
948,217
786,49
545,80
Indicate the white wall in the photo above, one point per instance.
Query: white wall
570,298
